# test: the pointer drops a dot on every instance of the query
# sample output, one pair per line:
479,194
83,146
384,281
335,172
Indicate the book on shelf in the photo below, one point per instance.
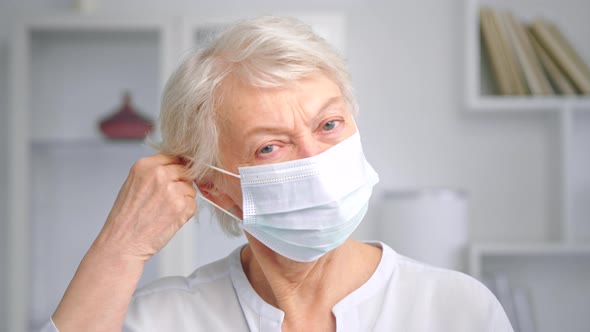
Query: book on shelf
536,80
561,55
568,47
491,39
535,59
560,82
506,36
497,37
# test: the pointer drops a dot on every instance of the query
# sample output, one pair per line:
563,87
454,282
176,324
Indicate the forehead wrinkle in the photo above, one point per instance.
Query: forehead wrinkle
228,107
271,110
234,115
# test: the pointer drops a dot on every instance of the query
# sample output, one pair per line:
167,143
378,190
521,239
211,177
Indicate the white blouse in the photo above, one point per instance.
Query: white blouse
401,295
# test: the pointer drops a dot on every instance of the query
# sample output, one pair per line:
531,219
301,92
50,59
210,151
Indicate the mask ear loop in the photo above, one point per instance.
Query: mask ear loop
211,202
219,207
224,171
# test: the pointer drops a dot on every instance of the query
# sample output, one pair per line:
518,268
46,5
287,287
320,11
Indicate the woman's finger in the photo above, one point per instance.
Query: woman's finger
183,188
158,159
175,172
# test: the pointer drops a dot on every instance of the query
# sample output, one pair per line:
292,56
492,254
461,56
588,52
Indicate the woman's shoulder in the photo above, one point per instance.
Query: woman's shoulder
425,278
402,276
197,302
444,293
436,279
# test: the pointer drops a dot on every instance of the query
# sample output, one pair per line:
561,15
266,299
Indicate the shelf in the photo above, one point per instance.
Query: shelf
532,104
507,250
479,83
79,77
551,275
96,22
531,249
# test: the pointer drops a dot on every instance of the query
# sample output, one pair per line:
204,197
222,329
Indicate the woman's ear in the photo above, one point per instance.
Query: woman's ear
210,192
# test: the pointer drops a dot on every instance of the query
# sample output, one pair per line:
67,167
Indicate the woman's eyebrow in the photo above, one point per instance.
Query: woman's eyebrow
277,129
330,102
264,129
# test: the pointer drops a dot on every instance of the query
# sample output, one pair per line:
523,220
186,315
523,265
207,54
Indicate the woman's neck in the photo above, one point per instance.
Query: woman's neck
308,290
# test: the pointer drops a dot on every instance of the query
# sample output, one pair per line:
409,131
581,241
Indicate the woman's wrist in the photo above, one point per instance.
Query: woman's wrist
114,256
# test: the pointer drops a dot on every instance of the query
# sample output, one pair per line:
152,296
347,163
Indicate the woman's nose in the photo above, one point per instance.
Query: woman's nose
310,146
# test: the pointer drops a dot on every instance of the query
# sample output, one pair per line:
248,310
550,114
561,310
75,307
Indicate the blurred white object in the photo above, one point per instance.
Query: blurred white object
86,6
429,225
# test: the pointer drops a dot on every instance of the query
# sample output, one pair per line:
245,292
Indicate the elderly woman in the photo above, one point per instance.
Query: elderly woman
263,124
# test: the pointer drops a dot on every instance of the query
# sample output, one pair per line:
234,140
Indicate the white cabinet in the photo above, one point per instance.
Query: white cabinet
555,278
555,270
68,73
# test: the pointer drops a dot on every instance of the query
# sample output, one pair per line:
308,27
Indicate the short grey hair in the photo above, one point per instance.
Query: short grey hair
265,52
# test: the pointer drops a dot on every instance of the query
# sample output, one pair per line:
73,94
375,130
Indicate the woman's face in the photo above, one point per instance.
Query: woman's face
266,126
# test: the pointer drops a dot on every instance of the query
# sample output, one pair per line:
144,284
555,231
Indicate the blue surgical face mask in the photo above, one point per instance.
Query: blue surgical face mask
304,208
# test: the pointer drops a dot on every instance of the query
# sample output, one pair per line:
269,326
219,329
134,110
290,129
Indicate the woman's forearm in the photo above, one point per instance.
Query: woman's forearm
99,294
155,201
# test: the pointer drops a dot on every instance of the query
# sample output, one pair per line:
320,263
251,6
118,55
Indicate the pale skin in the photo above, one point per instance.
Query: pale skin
256,126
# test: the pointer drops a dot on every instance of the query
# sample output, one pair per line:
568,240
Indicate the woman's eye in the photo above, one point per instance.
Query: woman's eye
267,149
330,125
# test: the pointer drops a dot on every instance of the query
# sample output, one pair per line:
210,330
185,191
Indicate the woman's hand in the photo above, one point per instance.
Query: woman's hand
153,204
155,201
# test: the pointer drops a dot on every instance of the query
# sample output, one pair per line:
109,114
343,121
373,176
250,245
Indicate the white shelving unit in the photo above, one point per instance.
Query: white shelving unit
555,276
68,73
556,270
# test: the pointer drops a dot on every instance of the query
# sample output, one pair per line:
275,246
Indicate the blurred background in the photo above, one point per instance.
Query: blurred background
475,114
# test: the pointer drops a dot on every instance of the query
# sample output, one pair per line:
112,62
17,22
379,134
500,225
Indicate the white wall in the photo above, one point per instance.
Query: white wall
406,59
406,62
407,66
4,83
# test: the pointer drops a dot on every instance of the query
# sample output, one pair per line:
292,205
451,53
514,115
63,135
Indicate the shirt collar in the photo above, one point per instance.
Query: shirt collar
249,297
